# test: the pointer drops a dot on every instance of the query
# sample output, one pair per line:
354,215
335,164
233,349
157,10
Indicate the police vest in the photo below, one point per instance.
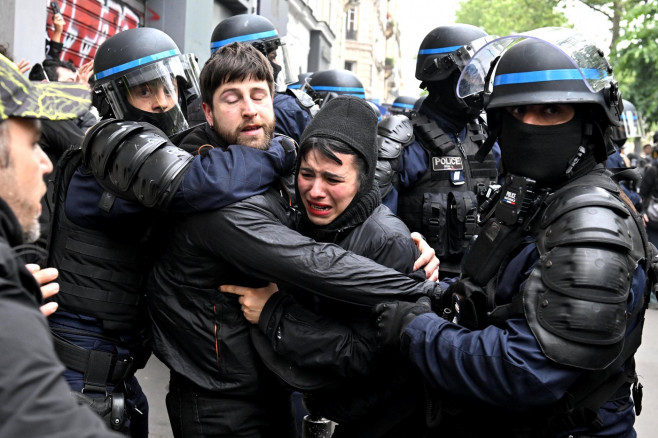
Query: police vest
100,276
442,205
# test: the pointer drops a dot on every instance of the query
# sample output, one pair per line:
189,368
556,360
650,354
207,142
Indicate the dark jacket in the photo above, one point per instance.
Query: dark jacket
35,400
200,332
364,390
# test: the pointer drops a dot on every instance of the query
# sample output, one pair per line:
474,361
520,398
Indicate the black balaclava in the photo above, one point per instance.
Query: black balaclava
170,122
276,69
543,153
443,99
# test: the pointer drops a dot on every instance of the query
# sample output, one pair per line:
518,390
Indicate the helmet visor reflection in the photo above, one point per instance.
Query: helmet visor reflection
589,65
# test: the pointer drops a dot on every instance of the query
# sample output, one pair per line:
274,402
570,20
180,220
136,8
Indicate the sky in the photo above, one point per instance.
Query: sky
414,25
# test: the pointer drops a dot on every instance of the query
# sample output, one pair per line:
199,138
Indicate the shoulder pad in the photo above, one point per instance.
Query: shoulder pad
304,100
397,128
575,304
588,214
134,161
393,135
385,177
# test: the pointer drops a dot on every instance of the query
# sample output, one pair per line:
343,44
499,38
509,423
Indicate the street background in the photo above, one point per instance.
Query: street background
155,377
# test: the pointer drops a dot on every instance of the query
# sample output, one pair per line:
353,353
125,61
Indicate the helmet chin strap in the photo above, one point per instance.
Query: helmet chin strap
575,160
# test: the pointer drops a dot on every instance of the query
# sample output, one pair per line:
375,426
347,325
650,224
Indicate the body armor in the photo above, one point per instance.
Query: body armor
576,309
102,272
394,133
135,161
99,275
442,204
575,300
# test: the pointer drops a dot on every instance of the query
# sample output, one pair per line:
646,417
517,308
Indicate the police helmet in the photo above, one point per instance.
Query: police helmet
325,85
419,103
544,66
140,75
260,33
447,49
403,105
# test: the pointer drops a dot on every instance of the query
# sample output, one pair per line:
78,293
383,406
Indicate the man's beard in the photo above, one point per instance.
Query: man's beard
32,232
26,213
236,136
28,218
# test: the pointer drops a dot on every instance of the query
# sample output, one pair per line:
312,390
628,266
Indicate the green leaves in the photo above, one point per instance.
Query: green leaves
504,17
635,58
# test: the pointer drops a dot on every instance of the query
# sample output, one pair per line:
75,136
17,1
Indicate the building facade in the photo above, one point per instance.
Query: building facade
358,35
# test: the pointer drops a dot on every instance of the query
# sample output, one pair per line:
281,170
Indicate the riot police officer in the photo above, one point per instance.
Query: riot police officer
434,182
103,231
540,330
324,85
293,108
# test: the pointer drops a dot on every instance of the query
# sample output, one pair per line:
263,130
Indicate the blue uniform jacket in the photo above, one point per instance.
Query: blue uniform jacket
212,181
291,118
505,367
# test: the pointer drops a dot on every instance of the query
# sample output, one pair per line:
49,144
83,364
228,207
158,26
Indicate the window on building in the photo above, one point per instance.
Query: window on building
350,65
350,23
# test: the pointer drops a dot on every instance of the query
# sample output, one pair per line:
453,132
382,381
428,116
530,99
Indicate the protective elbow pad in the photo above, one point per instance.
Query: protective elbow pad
135,161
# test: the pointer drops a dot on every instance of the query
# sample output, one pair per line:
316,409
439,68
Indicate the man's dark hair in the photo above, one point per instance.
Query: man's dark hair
50,68
234,62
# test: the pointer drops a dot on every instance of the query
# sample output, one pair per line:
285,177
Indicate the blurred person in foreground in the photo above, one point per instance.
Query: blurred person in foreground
35,400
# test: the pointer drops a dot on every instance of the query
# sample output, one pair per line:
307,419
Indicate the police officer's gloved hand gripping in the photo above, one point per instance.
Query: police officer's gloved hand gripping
393,318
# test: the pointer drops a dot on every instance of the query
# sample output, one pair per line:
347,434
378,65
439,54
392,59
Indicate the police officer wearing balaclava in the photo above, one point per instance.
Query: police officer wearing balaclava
538,334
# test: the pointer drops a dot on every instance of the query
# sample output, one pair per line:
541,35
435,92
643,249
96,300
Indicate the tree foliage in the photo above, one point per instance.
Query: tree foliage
504,17
635,58
614,11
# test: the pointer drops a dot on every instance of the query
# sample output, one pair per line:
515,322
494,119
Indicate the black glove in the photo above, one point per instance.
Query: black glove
394,317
